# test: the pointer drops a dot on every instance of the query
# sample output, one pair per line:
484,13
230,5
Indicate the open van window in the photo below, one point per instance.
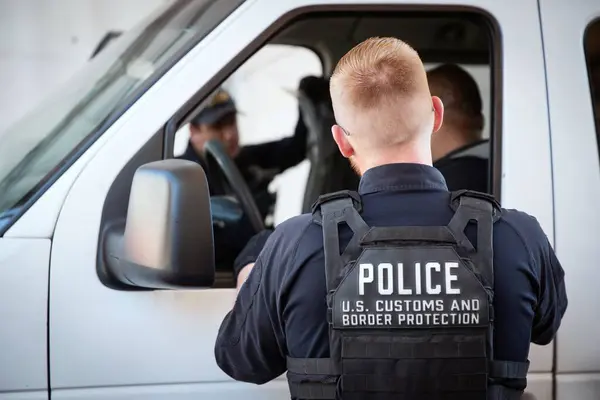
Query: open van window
446,41
38,148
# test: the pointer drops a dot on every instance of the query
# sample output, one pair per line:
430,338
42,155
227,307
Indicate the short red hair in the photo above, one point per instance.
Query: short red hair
383,82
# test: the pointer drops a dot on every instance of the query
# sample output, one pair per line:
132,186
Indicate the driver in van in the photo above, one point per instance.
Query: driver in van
258,164
458,149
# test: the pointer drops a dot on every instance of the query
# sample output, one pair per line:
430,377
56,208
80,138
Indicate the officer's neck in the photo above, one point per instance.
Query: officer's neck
409,155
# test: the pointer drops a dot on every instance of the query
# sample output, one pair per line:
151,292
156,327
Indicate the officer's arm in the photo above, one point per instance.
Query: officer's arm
248,346
249,254
552,296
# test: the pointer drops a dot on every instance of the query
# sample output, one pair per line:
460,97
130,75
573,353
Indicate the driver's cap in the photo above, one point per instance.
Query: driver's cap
220,104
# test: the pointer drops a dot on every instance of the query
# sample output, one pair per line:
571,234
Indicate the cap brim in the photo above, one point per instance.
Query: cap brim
217,114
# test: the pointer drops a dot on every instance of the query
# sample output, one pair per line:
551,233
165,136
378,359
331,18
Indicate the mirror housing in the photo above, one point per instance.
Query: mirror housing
167,239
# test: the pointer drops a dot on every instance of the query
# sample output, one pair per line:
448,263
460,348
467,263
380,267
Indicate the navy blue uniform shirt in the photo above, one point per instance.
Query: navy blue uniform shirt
281,309
466,167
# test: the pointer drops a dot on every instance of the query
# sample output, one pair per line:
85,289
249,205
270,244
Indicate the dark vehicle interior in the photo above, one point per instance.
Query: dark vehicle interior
460,37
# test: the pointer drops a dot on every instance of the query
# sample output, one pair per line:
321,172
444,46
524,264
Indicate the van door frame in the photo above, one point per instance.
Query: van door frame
576,172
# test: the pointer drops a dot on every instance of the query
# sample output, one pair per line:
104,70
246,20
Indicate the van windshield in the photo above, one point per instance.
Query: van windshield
35,150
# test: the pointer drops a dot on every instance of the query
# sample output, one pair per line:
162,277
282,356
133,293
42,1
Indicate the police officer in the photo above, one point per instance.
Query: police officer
393,292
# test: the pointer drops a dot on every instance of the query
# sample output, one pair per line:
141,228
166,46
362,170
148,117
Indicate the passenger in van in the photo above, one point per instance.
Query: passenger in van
458,150
352,310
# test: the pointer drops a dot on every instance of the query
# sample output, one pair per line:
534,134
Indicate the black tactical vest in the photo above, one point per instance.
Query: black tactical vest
410,310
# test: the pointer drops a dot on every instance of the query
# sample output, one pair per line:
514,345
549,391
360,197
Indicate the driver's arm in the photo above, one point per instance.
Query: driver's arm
280,155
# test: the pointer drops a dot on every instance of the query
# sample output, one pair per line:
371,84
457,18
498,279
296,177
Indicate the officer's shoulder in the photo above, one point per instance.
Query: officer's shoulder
525,226
293,229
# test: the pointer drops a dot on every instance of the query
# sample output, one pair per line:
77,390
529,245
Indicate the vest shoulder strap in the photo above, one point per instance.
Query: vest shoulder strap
484,210
347,197
329,211
458,194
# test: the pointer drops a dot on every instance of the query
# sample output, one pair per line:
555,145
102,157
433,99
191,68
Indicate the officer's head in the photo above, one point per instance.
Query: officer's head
463,117
216,121
382,104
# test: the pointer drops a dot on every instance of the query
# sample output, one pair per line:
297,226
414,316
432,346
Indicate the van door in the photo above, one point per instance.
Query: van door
23,318
107,343
571,44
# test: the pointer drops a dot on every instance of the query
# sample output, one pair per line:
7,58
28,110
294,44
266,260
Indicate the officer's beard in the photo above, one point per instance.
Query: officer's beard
354,166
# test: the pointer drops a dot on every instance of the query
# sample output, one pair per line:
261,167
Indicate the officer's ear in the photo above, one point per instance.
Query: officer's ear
341,138
438,112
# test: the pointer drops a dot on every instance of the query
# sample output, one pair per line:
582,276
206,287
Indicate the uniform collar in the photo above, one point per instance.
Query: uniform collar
191,155
479,149
401,177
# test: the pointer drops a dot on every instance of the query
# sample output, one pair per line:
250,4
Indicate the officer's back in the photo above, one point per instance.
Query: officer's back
396,313
521,279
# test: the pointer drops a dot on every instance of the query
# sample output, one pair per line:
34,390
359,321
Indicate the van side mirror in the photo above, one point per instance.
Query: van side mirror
167,239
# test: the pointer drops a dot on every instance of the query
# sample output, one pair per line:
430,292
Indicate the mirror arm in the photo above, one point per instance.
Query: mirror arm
109,268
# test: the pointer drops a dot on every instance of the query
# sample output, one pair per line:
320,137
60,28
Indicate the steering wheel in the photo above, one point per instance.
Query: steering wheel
216,150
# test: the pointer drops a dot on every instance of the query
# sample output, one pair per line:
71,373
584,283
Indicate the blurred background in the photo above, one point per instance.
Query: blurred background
44,42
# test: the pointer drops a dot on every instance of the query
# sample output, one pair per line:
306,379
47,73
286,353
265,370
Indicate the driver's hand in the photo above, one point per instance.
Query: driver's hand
251,251
315,87
243,275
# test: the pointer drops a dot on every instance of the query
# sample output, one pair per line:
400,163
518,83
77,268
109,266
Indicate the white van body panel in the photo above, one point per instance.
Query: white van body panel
576,192
276,390
104,340
39,221
35,395
23,318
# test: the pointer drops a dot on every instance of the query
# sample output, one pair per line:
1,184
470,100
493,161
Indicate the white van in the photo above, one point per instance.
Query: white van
81,312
